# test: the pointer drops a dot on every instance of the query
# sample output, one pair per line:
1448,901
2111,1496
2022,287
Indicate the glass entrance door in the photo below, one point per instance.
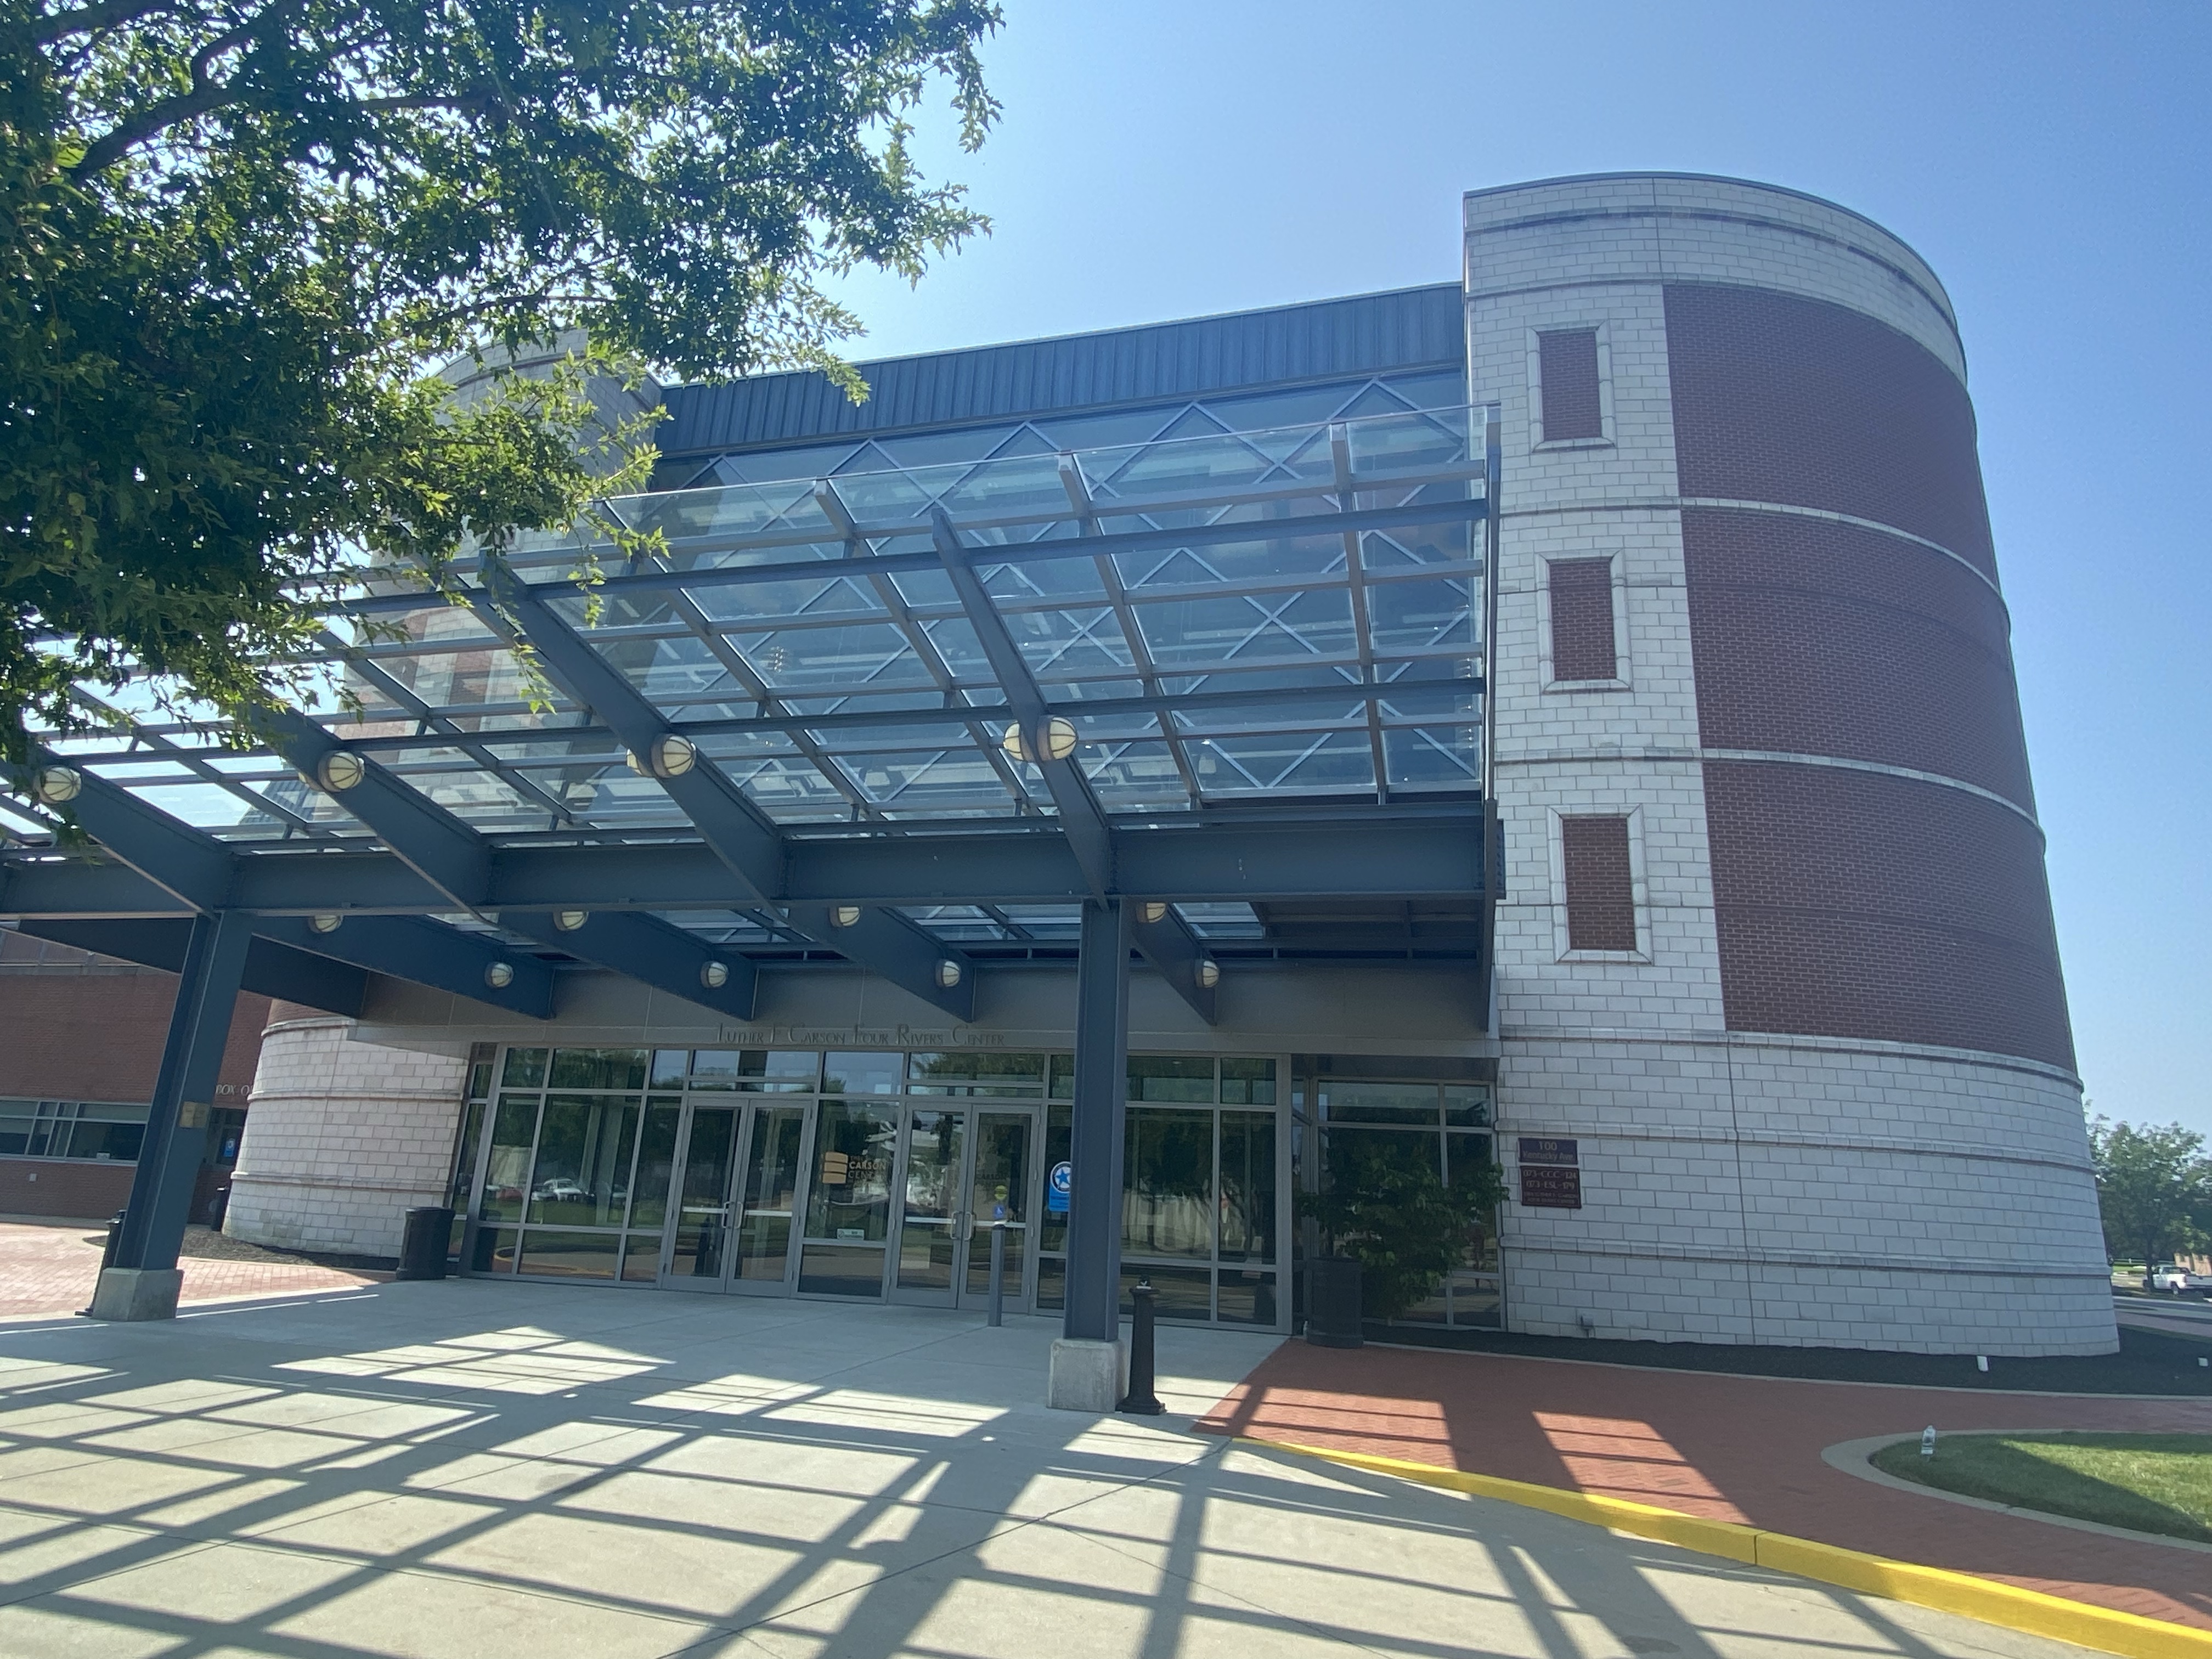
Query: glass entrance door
737,1185
697,1252
934,1228
764,1261
1003,1168
962,1172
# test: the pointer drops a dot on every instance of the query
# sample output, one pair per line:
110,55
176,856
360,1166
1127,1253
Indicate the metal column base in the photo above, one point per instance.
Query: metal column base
1087,1376
136,1293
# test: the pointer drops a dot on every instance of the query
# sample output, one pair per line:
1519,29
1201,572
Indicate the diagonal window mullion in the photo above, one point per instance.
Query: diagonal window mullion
734,664
932,660
441,722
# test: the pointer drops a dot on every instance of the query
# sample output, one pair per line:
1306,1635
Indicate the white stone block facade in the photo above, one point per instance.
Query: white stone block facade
1737,1187
341,1137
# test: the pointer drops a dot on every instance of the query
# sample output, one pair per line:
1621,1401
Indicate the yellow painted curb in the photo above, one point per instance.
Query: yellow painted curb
2106,1629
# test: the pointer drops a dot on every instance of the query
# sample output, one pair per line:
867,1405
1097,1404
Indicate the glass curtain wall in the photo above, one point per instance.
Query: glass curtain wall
564,1193
1200,1188
572,1158
1351,1129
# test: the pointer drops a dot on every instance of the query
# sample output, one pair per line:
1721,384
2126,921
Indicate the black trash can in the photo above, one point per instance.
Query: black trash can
1333,1311
424,1241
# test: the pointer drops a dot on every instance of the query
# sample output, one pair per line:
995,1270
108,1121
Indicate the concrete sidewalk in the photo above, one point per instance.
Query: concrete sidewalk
1747,1450
482,1470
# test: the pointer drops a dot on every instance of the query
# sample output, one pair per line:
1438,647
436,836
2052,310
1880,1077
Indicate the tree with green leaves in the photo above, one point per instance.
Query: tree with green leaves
1385,1204
2154,1188
238,235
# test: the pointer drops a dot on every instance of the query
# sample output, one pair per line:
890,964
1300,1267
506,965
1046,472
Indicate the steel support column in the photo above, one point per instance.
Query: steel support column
177,1122
1102,1099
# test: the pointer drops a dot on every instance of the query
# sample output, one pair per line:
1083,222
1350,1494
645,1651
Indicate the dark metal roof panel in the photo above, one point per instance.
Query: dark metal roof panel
1366,334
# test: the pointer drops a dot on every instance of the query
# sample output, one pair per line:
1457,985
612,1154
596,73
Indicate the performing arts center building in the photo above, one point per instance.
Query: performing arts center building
1560,719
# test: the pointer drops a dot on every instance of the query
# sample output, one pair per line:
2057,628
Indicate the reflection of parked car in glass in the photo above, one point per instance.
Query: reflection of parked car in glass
560,1190
2172,1276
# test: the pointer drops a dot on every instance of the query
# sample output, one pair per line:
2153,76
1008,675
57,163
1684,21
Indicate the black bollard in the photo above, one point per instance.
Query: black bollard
998,1272
115,1238
1140,1400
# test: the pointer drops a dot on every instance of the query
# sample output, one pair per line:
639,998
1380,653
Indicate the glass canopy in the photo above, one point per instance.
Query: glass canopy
1286,618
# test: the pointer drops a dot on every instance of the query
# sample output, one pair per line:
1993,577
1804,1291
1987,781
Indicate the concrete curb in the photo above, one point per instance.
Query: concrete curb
2106,1629
1855,1459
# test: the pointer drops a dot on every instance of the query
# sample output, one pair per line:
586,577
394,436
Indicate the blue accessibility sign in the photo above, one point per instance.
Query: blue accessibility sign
1057,1186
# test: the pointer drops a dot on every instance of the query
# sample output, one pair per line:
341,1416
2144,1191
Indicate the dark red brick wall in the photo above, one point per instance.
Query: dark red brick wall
45,1186
1566,364
1779,398
99,1036
1822,638
1582,643
1852,904
1601,886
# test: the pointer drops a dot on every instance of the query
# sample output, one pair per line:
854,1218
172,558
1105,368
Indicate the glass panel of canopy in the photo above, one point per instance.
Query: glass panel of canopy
1291,614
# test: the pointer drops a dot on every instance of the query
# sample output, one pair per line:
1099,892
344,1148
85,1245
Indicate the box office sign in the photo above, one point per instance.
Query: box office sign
1551,1173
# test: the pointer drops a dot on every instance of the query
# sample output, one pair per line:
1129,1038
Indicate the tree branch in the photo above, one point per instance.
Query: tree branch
92,19
205,95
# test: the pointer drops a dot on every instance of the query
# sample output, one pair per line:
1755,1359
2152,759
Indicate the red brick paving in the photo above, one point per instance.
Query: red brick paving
1740,1448
47,1269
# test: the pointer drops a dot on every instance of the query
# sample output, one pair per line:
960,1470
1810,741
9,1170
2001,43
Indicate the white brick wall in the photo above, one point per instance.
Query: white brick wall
1691,230
1737,1188
342,1137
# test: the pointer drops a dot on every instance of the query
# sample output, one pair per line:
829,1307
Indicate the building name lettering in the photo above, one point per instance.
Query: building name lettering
857,1036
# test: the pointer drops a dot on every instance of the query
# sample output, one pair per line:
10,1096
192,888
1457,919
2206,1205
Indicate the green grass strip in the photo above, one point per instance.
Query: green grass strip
2160,1483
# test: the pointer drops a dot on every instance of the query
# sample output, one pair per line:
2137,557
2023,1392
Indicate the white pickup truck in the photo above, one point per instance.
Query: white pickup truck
2172,1276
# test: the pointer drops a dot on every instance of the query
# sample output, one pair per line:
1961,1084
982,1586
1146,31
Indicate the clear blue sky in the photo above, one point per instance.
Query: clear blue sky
2053,162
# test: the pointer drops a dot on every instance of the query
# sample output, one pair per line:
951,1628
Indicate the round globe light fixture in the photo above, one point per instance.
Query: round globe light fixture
499,975
339,771
55,785
1154,912
948,973
844,915
569,921
1209,973
669,757
1053,740
713,975
325,923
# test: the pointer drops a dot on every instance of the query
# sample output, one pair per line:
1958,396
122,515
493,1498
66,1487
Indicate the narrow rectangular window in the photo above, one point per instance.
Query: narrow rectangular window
1582,643
1568,365
1601,890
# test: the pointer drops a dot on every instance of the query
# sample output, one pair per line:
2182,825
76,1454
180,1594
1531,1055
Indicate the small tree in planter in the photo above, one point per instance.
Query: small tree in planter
1399,1220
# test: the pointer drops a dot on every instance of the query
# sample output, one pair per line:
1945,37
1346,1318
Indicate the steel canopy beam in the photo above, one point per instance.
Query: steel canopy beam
750,847
731,826
273,969
430,840
195,868
1080,818
880,935
650,950
426,952
1411,858
1176,954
